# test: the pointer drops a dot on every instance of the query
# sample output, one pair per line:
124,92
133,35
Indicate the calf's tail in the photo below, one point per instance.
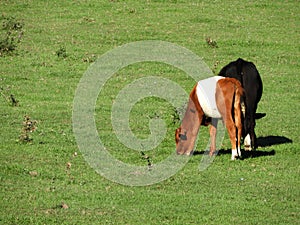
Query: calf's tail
239,93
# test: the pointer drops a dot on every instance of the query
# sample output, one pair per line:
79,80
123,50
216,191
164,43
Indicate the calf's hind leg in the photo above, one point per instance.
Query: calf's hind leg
232,134
238,122
224,99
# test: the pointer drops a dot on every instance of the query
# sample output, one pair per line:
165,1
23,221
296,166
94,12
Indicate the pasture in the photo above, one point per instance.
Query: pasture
46,180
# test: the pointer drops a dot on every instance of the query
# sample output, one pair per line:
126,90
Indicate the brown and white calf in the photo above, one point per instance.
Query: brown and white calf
212,99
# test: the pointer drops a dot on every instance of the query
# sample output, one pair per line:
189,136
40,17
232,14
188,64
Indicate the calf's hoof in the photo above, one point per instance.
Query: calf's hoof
234,157
234,154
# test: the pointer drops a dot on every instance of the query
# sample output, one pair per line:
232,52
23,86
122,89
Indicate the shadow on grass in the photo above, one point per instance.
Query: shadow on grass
259,115
245,154
272,140
257,153
262,142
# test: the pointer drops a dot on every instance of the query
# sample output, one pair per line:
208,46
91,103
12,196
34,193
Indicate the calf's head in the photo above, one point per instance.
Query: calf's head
186,134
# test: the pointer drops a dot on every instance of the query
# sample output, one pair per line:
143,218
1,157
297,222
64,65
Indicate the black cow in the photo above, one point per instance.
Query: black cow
249,77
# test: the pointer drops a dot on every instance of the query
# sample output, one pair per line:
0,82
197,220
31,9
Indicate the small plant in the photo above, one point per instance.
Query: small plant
212,43
11,34
11,99
214,69
89,58
147,158
61,52
175,116
28,127
14,101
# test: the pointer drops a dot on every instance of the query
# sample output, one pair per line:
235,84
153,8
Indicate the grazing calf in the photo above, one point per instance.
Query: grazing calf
212,99
249,77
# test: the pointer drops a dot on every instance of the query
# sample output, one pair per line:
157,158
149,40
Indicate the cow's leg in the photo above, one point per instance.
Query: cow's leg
247,143
213,134
248,132
250,139
253,136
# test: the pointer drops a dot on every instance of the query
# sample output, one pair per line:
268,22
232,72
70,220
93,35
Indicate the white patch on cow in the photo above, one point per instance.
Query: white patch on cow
234,154
206,93
247,143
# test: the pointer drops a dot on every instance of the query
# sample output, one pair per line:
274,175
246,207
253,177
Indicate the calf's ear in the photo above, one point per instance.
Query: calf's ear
177,135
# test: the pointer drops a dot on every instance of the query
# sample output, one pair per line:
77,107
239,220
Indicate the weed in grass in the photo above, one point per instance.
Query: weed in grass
68,172
11,99
64,205
212,43
29,126
175,116
11,34
14,101
146,157
33,173
61,52
89,58
215,66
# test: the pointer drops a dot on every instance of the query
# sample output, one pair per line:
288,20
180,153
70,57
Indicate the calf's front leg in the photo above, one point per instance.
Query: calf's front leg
213,134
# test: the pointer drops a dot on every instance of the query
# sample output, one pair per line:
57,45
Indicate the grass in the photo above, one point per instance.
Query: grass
40,177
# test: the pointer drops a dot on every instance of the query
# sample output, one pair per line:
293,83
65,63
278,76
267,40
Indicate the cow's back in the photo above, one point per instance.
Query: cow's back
249,77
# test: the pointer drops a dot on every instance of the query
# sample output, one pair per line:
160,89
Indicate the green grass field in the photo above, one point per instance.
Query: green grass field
47,180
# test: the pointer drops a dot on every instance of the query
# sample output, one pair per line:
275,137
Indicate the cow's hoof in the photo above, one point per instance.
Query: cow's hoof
247,148
247,143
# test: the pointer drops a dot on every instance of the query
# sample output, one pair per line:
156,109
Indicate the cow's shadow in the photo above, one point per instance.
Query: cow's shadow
257,153
262,142
259,115
272,140
245,154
